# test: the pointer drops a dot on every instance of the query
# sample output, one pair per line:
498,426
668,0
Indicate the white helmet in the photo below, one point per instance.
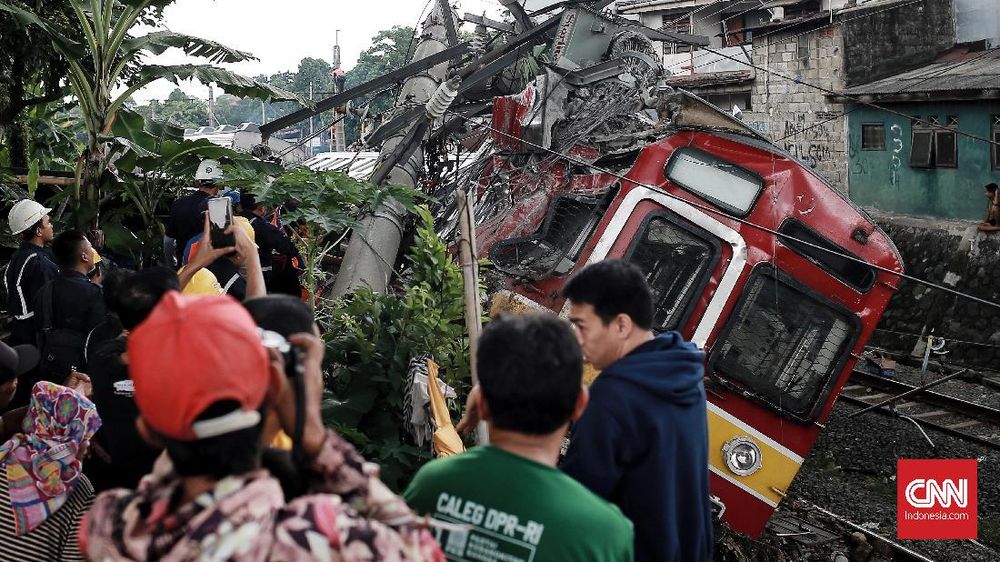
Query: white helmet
209,170
25,214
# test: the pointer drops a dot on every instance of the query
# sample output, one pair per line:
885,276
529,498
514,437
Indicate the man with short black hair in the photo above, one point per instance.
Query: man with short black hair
29,269
992,221
518,505
642,443
68,308
202,377
131,299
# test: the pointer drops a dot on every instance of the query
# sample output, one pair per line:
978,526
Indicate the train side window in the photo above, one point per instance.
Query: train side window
803,241
723,183
783,345
556,247
677,258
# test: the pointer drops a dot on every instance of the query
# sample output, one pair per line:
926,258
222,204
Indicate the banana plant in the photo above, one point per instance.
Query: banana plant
109,65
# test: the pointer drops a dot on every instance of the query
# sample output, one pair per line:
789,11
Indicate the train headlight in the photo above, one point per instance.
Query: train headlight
742,455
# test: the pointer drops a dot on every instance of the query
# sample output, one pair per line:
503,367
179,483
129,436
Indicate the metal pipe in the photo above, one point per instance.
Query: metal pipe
909,392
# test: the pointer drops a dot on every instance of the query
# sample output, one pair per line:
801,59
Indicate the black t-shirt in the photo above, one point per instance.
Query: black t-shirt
131,457
186,219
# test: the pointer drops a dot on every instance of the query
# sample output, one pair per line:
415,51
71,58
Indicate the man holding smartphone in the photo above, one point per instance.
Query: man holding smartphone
208,498
185,220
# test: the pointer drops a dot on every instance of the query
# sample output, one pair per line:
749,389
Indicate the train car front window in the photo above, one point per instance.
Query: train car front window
723,183
677,259
783,345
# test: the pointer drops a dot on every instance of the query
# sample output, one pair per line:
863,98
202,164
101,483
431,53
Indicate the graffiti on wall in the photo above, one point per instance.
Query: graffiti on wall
896,144
809,137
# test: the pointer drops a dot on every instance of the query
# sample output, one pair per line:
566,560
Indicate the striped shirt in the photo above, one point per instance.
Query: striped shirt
56,538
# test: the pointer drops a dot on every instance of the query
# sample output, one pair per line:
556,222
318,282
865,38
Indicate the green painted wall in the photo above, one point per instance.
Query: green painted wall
884,179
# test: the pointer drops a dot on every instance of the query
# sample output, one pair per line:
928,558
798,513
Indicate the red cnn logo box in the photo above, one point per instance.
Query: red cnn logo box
936,499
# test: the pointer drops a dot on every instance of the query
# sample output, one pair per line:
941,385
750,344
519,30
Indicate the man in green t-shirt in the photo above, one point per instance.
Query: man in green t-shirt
506,502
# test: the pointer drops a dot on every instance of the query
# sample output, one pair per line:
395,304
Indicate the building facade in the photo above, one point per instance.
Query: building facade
800,54
934,152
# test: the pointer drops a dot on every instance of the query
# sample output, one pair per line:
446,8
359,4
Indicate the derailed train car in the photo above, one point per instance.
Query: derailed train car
749,254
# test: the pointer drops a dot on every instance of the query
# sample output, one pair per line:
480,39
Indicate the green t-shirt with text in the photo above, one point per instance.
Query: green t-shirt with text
516,510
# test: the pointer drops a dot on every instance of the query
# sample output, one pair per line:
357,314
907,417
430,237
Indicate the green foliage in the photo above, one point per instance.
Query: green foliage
30,73
328,203
371,339
178,110
105,55
388,51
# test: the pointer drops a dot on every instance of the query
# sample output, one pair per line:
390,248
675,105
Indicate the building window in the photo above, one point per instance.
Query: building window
934,146
677,258
803,49
783,345
873,136
996,139
676,23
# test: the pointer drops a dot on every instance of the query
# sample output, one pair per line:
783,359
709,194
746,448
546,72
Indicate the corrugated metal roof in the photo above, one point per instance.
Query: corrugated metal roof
952,72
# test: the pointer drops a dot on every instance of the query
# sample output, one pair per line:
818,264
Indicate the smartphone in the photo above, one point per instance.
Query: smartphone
220,217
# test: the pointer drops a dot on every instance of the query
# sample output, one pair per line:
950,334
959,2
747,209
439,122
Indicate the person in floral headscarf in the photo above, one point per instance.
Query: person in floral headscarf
43,493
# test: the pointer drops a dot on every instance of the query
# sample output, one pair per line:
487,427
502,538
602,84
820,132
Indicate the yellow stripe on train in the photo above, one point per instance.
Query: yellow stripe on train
778,464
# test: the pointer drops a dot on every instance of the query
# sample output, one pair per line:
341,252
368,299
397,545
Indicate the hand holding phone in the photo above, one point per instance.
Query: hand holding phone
220,218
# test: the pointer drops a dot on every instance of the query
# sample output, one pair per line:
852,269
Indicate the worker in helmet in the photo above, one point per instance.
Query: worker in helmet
185,219
30,268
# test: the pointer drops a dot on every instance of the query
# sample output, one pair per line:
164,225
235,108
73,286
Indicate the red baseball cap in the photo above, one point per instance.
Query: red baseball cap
190,353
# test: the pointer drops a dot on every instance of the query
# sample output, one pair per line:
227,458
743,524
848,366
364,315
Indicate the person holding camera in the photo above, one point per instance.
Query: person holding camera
203,399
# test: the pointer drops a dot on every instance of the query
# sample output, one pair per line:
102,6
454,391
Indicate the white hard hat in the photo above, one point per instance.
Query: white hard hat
24,214
209,170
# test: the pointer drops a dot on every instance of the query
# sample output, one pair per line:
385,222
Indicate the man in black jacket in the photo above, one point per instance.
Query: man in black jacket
270,241
185,220
68,308
30,268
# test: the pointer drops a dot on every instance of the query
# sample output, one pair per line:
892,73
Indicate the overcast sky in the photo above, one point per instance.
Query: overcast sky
280,33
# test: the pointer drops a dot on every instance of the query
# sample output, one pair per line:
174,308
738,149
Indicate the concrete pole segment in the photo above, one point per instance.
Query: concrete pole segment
371,252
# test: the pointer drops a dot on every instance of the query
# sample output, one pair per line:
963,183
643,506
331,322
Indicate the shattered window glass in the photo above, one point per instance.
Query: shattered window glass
677,261
557,246
783,345
723,183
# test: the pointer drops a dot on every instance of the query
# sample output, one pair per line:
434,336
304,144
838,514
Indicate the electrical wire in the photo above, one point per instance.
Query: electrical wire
722,213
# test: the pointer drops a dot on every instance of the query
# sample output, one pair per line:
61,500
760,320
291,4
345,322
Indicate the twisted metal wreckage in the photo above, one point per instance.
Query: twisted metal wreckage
749,253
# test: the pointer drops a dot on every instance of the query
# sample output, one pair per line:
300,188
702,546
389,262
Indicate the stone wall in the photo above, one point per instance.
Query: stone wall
797,117
882,40
956,255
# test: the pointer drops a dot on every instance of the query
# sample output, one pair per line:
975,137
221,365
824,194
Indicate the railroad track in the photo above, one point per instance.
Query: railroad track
947,414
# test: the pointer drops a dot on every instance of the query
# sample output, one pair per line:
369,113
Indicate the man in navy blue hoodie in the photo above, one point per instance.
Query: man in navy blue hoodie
642,442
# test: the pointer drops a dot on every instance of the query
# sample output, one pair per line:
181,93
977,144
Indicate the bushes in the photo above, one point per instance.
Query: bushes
370,341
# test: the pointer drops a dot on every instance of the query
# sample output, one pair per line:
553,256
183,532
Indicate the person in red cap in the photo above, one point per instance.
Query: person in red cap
202,398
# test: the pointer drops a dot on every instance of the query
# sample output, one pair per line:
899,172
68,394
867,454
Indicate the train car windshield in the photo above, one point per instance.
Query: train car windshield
784,344
723,183
677,259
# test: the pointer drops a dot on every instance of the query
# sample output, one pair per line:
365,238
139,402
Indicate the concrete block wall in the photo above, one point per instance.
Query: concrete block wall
887,39
953,254
799,118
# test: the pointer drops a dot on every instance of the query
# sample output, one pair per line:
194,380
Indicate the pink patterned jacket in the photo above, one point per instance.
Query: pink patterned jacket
350,516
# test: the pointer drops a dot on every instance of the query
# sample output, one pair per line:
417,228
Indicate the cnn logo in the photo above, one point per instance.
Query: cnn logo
926,493
936,499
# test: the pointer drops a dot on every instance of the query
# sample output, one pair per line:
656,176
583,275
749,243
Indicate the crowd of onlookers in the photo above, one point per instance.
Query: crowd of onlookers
174,413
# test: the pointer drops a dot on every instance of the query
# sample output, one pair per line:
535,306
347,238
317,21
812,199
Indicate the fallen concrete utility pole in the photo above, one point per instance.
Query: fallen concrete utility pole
371,252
